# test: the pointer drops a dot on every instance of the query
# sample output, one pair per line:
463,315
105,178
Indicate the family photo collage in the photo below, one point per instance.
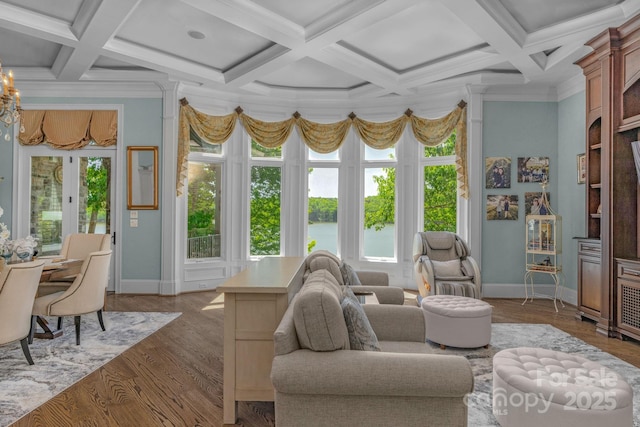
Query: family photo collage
498,176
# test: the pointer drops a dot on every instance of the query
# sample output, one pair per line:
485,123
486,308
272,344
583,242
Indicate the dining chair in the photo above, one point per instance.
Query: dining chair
18,286
74,246
85,295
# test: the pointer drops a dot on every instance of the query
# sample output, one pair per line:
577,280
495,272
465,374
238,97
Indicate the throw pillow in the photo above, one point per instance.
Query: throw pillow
361,334
447,268
348,293
349,275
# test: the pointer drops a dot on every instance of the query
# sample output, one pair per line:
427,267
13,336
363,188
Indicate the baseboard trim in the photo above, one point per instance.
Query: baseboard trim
140,287
516,290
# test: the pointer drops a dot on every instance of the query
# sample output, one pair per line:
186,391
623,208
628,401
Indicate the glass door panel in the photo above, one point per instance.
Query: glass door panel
94,195
46,203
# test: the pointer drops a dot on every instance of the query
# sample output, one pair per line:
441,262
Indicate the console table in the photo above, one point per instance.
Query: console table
254,302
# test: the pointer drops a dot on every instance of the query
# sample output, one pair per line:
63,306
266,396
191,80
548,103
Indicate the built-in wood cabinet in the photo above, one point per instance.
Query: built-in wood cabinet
590,278
628,313
612,76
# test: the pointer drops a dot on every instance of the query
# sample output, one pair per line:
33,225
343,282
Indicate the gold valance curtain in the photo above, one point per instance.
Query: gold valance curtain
324,137
68,129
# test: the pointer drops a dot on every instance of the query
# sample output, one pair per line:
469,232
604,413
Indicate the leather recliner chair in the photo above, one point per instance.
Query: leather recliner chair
443,265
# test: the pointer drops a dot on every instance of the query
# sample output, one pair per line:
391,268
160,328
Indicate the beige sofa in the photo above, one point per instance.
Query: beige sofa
371,281
320,381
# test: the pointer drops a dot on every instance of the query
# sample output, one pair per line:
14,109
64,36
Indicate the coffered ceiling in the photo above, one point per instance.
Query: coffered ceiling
346,49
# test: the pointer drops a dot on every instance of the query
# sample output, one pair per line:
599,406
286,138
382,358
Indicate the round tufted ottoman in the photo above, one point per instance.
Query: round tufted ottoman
539,387
457,321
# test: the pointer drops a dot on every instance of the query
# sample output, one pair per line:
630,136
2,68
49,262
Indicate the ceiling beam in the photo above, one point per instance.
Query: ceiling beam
37,25
100,25
495,25
152,59
337,25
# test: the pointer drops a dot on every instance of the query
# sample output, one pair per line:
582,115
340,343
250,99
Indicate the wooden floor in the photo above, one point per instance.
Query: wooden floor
174,377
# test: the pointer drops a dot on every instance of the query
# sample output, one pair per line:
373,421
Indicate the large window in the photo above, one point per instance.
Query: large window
322,219
379,175
265,200
440,186
203,210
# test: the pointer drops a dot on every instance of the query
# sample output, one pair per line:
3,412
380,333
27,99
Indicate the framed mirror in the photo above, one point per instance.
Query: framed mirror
142,177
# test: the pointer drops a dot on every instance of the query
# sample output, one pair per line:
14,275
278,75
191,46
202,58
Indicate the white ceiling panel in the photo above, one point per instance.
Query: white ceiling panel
413,37
534,15
114,64
163,25
19,50
65,10
308,73
302,12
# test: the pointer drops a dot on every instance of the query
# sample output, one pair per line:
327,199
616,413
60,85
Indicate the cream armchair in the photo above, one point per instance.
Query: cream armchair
85,295
443,265
18,286
74,246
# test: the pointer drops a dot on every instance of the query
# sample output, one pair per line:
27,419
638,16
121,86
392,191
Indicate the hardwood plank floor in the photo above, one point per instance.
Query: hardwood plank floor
174,377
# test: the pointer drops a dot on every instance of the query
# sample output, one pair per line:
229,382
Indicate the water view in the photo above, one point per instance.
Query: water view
376,243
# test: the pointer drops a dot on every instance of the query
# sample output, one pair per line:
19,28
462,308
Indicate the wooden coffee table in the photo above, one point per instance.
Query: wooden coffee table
366,297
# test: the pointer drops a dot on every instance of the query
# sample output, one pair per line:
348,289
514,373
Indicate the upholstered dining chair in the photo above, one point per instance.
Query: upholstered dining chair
85,295
18,286
74,246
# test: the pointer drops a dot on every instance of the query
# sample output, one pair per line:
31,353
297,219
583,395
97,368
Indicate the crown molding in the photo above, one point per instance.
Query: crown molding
147,89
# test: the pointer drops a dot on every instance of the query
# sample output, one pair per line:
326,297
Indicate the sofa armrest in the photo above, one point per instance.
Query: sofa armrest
373,278
371,373
396,322
385,294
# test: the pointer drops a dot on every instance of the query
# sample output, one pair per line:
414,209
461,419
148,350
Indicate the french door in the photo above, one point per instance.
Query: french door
64,192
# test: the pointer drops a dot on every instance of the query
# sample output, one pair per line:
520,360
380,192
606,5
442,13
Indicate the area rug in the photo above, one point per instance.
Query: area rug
59,363
510,335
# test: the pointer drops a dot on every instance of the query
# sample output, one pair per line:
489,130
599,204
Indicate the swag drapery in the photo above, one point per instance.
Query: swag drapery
68,129
324,137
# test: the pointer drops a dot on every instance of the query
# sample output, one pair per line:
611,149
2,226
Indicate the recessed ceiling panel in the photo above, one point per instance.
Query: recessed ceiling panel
164,25
418,35
301,12
309,73
534,15
65,10
19,50
114,64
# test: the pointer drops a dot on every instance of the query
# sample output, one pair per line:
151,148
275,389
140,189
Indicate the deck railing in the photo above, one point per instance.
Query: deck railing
204,246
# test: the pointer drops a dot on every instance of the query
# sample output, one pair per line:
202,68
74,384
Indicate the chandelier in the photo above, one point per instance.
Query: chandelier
10,109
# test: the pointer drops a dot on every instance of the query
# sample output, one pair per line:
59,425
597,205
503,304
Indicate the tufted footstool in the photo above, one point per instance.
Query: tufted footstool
539,387
457,321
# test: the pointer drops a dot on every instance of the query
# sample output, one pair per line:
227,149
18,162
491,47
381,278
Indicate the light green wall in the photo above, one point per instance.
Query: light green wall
571,142
516,129
141,246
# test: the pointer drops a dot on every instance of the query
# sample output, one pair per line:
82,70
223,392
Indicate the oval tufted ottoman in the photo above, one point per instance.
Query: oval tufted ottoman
536,387
457,321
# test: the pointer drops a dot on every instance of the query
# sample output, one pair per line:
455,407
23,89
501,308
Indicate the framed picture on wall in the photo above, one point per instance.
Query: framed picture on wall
533,169
502,207
582,168
497,172
533,203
